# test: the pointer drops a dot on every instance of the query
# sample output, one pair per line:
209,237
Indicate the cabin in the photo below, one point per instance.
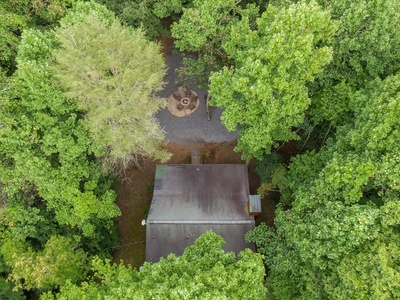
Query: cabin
189,200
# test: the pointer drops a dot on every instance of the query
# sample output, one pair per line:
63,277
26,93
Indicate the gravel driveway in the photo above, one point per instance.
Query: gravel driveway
194,128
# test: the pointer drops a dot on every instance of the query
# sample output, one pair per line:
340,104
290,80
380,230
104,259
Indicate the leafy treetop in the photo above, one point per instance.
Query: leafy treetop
112,71
265,91
204,271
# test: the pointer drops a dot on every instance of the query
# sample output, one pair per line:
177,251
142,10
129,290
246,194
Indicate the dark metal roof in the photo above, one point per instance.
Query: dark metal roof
189,200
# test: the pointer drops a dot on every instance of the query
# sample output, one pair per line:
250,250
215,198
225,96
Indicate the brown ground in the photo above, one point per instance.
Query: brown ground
166,44
135,193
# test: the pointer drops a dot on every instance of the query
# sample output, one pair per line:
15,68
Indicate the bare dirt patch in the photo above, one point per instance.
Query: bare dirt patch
166,44
135,194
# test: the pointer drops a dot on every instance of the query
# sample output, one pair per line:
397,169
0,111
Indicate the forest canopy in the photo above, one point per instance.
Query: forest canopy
112,71
203,271
322,76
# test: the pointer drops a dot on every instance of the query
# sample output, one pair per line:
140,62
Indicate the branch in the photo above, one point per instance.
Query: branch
326,135
6,89
73,40
280,146
223,17
308,137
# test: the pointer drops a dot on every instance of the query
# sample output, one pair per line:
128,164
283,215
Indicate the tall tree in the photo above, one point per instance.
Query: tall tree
19,14
204,271
112,71
57,206
364,47
147,14
203,29
49,268
265,91
341,230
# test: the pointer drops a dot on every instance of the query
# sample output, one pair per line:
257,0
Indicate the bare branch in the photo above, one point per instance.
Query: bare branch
73,40
326,135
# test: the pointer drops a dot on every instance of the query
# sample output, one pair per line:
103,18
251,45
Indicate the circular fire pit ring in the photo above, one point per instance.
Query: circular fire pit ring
183,102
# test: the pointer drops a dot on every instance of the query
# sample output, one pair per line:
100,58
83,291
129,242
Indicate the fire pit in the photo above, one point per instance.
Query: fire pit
183,102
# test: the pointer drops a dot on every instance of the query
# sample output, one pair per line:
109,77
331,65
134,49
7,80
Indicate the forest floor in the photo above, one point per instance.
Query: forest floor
135,194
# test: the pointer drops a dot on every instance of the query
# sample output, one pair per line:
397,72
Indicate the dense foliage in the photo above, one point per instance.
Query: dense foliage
17,15
204,271
150,15
344,215
112,71
57,206
203,29
324,73
336,233
365,47
265,91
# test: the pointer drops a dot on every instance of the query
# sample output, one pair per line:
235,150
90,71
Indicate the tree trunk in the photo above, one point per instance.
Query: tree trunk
136,162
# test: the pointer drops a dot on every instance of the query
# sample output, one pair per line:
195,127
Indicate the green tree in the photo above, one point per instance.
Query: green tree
45,147
10,27
57,207
147,14
17,15
112,71
265,91
364,47
49,268
341,230
203,29
204,271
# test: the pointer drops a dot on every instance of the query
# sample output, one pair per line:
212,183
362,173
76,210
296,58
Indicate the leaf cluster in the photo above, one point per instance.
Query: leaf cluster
17,15
265,91
203,29
58,207
204,271
345,209
149,15
112,71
